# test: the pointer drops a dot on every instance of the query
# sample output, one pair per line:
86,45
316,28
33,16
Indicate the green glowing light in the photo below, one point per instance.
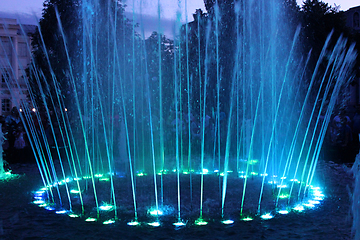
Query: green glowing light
282,196
200,222
74,191
266,216
133,223
186,173
86,177
40,192
282,186
141,174
72,215
38,202
283,212
111,221
253,162
43,205
254,173
90,219
242,176
106,207
227,222
98,175
104,179
264,174
247,219
222,174
154,224
77,179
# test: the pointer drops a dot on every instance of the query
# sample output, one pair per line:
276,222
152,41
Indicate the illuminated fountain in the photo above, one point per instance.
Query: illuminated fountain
2,170
224,123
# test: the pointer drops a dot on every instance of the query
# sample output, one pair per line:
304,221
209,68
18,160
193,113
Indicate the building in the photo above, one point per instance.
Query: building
15,56
352,16
353,19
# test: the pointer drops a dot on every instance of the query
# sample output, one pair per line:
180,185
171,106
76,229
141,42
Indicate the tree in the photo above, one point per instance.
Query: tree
84,32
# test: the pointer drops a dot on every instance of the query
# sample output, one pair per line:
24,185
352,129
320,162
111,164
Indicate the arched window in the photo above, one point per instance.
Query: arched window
356,20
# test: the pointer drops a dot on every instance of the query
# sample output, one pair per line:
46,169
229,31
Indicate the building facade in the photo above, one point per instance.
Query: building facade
353,23
353,19
15,56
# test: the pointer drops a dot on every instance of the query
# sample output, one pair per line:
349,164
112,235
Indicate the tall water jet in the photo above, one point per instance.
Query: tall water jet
2,170
231,93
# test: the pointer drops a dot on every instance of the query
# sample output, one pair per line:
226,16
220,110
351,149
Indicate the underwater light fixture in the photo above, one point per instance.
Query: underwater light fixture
247,219
154,224
49,208
282,196
106,207
74,191
90,219
266,216
155,212
309,205
205,171
133,223
73,215
179,224
227,222
283,212
104,179
314,202
299,208
200,222
110,221
61,211
141,174
38,202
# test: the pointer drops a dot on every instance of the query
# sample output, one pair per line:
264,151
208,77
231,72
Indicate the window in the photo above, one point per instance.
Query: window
5,48
356,20
22,50
5,76
5,105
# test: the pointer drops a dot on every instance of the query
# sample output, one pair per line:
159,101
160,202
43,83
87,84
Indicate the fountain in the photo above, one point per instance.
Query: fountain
225,122
2,170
